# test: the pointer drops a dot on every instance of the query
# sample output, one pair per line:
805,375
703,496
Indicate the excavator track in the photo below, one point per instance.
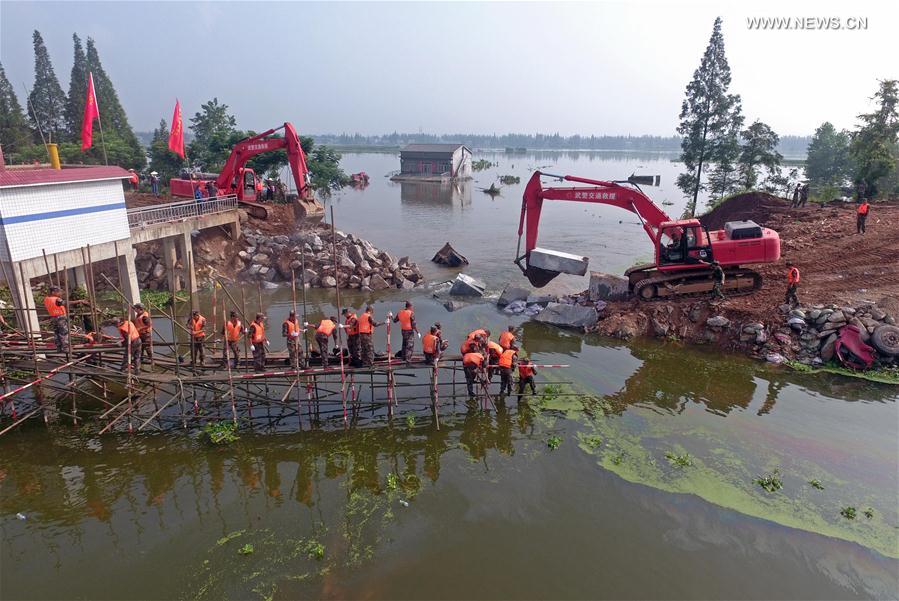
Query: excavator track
661,286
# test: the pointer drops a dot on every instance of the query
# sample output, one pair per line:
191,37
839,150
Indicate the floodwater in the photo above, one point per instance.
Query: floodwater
650,491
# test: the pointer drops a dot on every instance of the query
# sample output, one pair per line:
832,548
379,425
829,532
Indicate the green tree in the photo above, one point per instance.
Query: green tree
874,144
214,135
77,91
14,132
759,151
162,160
47,100
707,118
723,178
323,162
827,163
114,119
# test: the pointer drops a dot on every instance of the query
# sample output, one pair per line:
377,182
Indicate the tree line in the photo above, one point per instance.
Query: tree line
723,157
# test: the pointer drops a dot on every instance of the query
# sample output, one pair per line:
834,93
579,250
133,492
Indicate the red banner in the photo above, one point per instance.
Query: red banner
91,112
176,136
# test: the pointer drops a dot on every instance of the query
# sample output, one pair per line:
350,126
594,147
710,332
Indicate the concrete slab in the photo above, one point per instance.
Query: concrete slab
465,285
568,316
554,260
608,287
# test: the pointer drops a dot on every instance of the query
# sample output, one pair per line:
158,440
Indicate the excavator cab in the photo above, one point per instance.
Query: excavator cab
248,185
683,243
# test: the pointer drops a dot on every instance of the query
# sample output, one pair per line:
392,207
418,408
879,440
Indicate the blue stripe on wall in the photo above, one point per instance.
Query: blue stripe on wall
56,214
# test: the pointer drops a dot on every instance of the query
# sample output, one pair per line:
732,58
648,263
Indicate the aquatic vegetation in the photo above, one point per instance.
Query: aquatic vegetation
617,459
246,549
410,421
770,482
229,537
816,484
592,441
221,432
883,376
683,460
314,549
481,164
509,179
868,513
393,481
848,512
553,442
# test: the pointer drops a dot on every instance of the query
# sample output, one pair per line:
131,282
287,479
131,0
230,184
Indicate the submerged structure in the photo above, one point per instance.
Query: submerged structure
434,162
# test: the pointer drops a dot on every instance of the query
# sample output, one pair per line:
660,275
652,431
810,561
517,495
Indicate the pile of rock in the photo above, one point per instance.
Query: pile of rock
813,330
359,264
151,271
569,311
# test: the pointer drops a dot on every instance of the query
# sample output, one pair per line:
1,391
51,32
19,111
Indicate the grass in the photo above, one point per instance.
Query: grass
221,432
848,512
770,482
679,460
247,549
161,298
816,484
553,442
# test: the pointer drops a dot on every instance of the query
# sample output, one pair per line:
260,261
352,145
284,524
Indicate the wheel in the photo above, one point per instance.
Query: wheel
647,292
886,340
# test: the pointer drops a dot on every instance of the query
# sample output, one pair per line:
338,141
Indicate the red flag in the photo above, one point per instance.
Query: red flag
91,112
176,136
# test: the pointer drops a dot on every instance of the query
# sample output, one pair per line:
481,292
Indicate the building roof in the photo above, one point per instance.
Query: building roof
431,148
42,176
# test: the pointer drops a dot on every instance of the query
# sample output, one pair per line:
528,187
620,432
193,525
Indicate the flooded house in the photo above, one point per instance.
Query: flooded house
434,162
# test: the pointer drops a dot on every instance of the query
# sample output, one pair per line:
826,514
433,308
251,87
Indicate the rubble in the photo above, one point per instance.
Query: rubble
607,287
449,256
512,294
465,285
571,316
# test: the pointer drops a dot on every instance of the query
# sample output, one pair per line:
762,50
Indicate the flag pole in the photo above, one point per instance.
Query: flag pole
102,140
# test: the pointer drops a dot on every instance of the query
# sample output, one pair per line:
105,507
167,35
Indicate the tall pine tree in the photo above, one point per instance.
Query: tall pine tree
759,152
707,118
112,115
77,91
875,145
48,101
14,132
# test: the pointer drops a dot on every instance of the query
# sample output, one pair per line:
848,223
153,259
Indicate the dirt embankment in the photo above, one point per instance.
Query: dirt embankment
837,265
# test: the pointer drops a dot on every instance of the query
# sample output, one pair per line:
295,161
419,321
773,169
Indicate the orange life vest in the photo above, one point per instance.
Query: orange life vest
233,330
471,335
134,178
293,327
364,325
257,333
143,328
53,307
129,331
472,359
506,339
468,346
863,208
429,344
494,349
351,328
405,318
505,360
196,326
525,371
326,327
793,276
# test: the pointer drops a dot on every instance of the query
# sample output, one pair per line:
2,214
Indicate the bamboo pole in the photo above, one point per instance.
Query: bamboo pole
339,334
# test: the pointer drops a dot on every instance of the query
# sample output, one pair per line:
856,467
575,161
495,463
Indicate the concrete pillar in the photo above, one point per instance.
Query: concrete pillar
23,298
169,258
129,272
235,229
77,278
186,250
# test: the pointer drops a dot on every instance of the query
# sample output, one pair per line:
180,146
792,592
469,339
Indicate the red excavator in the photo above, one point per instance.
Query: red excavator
237,179
684,248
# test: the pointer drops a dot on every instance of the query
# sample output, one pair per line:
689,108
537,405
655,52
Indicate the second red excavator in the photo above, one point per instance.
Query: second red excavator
684,248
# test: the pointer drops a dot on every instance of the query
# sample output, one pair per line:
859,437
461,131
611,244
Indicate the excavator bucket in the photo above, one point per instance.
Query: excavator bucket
539,277
543,265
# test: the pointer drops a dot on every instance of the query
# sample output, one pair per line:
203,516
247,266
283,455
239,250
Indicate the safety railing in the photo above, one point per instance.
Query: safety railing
179,211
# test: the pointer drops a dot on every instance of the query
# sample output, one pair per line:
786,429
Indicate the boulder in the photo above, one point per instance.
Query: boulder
659,328
607,287
718,321
406,284
541,299
158,271
571,316
355,254
515,307
453,305
329,282
827,349
465,285
512,294
260,259
378,283
449,256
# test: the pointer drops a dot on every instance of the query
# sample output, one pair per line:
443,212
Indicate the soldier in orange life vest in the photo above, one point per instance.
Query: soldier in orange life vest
473,364
366,324
323,332
351,325
861,215
792,284
494,352
406,319
232,331
56,307
132,343
258,341
526,375
291,330
144,325
507,362
507,338
196,323
430,345
134,178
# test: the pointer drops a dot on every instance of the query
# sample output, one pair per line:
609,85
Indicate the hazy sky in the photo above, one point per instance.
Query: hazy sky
603,68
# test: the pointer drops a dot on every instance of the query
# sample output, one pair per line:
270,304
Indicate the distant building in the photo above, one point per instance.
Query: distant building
444,161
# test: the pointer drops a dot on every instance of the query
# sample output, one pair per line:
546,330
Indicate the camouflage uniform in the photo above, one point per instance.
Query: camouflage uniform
367,350
718,288
353,345
322,342
408,344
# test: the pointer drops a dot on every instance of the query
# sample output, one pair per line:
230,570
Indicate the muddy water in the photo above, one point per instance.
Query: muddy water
480,508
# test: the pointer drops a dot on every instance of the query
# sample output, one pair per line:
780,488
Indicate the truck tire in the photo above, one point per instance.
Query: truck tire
886,340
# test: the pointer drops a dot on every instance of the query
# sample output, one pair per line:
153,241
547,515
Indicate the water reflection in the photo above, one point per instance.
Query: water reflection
436,194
